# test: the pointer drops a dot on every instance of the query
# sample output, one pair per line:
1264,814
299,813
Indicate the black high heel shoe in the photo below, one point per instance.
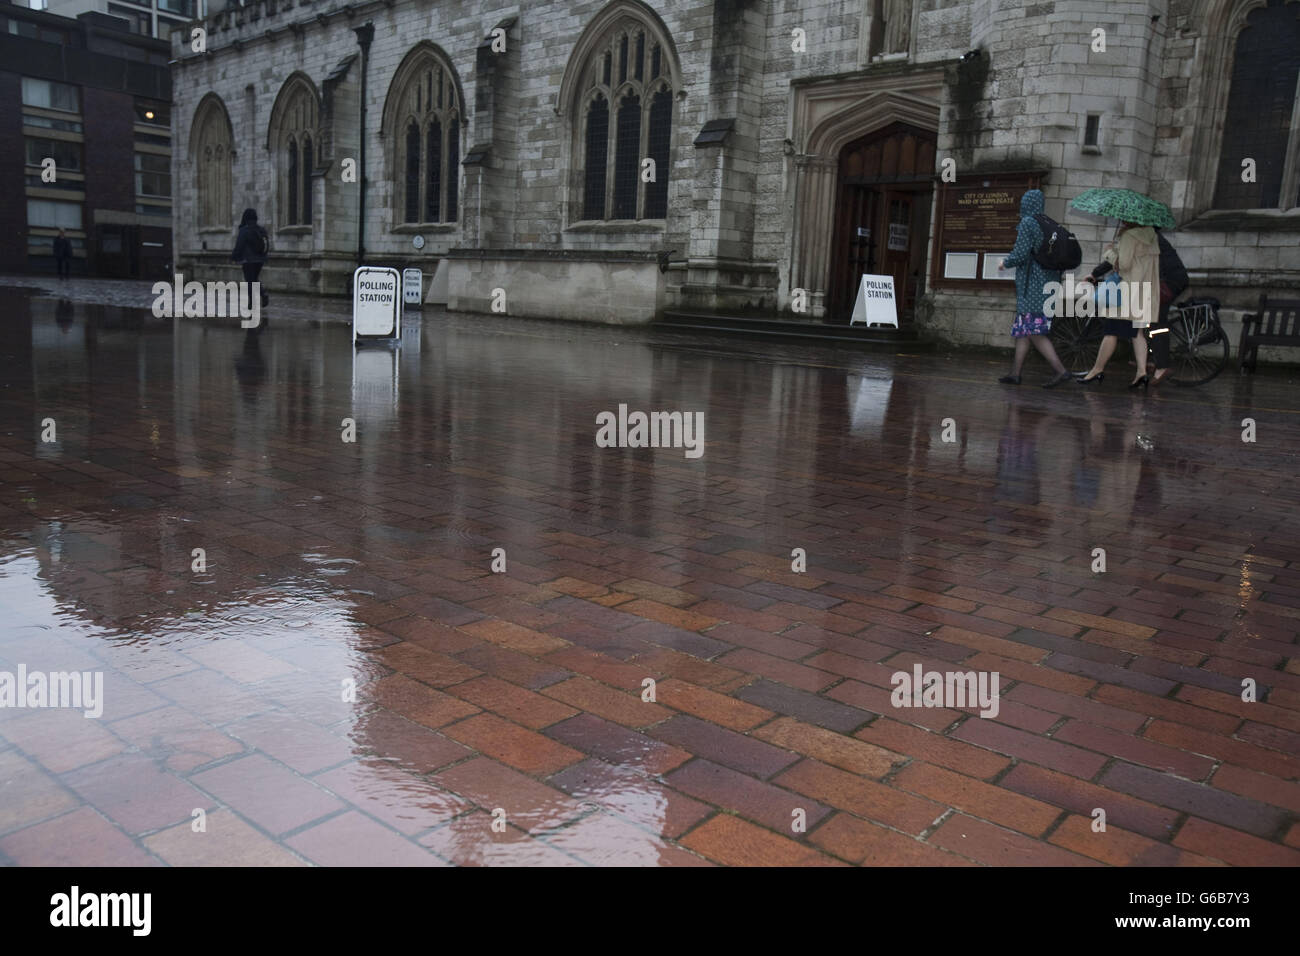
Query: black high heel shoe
1140,383
1096,378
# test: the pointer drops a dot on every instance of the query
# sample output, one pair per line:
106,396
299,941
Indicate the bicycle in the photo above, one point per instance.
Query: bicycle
1198,347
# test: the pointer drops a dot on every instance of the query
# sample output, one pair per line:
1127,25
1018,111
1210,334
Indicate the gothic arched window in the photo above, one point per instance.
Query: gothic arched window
211,152
623,117
1261,102
423,118
294,124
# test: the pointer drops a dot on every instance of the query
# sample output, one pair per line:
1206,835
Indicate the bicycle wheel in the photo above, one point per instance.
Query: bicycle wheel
1198,348
1076,340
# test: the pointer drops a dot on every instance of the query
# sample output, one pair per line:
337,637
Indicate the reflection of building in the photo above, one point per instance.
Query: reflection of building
85,137
756,148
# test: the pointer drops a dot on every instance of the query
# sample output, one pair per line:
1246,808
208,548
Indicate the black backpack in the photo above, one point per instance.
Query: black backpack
1059,251
262,242
1172,271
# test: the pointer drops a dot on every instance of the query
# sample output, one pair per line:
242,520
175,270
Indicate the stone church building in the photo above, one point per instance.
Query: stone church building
608,160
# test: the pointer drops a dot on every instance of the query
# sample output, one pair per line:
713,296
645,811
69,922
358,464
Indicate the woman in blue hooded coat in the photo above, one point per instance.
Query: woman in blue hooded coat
1031,324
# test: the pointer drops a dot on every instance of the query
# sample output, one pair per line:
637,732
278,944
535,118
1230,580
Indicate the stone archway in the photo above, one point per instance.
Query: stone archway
827,116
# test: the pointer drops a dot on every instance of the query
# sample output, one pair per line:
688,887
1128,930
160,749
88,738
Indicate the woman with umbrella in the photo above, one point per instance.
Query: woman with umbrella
1135,254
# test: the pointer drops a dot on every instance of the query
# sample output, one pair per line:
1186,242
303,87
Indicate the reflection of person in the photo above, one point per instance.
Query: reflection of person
251,247
63,255
1135,254
250,367
63,314
1031,323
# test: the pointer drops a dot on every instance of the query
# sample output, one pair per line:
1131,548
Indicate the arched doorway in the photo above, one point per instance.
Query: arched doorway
882,215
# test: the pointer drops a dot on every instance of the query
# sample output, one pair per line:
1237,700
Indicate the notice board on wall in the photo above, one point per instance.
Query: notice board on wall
975,220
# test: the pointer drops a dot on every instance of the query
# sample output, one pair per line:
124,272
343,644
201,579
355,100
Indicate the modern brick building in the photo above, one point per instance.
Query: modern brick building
150,18
94,99
610,160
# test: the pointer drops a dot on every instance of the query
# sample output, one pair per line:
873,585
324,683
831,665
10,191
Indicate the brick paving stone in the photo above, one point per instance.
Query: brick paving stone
618,745
632,795
517,746
738,751
470,841
514,703
1231,846
735,842
865,798
1119,847
740,793
1070,793
489,784
1031,747
1199,799
628,709
709,705
978,799
867,844
809,708
998,847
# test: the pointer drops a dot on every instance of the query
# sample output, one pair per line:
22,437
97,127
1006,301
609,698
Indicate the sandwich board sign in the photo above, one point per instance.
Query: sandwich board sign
413,287
875,304
376,309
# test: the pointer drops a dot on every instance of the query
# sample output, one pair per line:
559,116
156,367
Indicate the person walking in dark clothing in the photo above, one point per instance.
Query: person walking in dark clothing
63,254
251,248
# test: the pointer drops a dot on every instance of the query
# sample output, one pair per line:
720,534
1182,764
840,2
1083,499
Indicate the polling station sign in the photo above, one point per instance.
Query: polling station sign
875,304
376,303
413,287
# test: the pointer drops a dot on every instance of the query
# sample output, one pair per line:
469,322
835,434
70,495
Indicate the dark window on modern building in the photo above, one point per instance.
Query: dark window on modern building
48,95
66,156
1261,101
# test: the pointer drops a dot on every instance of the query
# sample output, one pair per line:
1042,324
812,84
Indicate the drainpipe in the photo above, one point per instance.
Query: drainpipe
365,34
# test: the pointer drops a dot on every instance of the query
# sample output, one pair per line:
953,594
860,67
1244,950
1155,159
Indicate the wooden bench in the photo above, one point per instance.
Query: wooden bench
1277,322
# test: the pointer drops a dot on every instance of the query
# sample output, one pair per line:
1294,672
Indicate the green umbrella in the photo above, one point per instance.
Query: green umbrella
1127,205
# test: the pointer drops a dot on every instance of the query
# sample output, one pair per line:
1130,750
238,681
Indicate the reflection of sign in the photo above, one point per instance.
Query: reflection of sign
898,236
864,232
375,310
875,304
374,384
412,286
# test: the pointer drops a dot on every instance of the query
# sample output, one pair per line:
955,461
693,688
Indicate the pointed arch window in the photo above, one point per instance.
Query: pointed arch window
1260,119
212,147
428,109
624,117
294,122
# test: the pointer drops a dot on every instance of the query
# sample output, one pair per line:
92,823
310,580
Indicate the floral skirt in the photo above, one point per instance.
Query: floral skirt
1030,323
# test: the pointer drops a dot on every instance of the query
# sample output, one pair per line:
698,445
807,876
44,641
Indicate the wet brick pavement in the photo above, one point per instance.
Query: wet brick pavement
518,696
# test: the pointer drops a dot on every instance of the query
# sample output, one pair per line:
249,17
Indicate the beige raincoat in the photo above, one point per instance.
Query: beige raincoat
1136,257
